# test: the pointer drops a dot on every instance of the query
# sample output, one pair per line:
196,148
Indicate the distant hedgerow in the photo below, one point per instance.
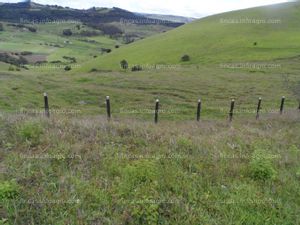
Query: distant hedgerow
136,68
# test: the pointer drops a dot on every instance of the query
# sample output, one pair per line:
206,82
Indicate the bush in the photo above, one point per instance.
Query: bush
185,58
30,132
136,68
124,64
93,70
67,32
105,50
71,59
261,167
1,27
68,68
26,53
32,29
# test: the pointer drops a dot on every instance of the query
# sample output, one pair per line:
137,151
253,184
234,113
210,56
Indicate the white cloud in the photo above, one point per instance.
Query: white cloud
194,8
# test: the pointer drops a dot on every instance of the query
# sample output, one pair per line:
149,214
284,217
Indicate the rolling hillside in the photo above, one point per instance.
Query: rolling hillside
256,34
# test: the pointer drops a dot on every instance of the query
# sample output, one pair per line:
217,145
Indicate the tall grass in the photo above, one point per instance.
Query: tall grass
90,171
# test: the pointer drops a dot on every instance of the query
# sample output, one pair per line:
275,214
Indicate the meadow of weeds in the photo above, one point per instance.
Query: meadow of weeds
68,170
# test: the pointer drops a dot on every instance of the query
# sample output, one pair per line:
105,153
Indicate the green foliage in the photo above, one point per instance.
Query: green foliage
11,68
139,188
8,190
67,32
298,173
185,58
136,68
68,68
140,173
4,221
30,132
13,59
1,27
261,167
184,144
124,64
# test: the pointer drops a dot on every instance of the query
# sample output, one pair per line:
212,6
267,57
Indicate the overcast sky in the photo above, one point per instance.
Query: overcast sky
192,8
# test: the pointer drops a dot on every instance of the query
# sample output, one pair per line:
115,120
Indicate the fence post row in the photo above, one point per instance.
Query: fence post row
46,104
282,105
108,108
231,110
258,108
156,111
199,110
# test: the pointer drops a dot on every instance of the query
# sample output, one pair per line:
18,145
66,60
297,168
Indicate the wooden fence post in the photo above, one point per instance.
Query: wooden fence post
231,110
282,105
258,108
108,108
46,104
199,110
156,111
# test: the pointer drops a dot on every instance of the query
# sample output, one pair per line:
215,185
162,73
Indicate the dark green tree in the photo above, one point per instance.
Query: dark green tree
124,64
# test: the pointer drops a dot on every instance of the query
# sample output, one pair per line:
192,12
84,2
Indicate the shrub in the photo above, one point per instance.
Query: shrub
71,59
124,64
32,29
30,132
185,58
26,53
261,167
117,46
8,190
136,68
105,50
67,32
68,68
1,27
93,70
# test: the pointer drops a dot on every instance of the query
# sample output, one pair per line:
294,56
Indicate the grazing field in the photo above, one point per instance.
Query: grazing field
251,35
133,94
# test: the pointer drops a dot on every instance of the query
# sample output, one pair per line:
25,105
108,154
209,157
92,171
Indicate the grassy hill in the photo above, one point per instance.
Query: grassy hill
218,39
